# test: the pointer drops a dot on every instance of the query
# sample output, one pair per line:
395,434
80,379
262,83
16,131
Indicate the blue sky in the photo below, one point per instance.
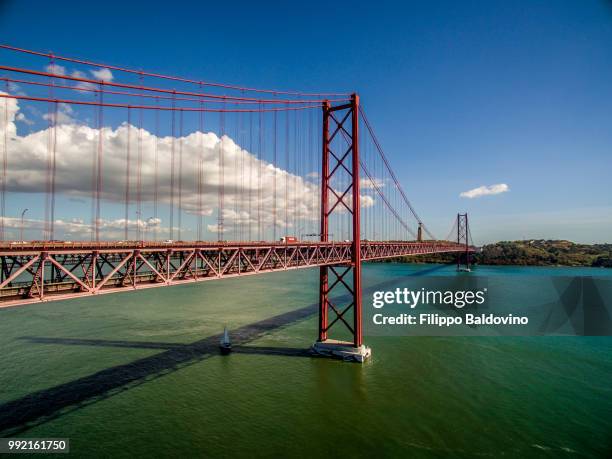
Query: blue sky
461,94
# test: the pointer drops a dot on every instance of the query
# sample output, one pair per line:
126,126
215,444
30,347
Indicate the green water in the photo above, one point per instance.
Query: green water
138,373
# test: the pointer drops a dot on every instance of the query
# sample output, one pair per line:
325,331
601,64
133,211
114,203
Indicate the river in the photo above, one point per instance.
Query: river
138,373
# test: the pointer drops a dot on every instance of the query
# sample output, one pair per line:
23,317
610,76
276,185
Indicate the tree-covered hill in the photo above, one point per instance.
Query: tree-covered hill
532,253
545,253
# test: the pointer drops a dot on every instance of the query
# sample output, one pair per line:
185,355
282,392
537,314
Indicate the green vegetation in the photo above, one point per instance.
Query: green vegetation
532,253
545,253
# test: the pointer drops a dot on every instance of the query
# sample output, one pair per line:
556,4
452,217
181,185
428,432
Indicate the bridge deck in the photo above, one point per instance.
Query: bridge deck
42,271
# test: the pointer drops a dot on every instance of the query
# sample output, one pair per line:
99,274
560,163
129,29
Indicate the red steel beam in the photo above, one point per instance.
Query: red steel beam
235,259
323,271
356,255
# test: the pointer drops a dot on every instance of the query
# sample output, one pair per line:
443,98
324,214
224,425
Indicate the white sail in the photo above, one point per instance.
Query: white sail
226,339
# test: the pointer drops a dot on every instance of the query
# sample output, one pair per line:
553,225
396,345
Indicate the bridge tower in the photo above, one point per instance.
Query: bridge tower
463,237
341,121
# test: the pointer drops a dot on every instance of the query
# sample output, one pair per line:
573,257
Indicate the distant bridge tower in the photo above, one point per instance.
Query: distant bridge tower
420,232
463,238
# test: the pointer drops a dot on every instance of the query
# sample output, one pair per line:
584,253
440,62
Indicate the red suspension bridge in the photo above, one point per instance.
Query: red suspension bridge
188,180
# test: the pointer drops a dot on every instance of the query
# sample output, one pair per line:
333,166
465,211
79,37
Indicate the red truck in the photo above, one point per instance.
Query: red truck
288,239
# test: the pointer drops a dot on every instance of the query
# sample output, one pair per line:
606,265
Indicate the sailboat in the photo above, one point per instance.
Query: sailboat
225,345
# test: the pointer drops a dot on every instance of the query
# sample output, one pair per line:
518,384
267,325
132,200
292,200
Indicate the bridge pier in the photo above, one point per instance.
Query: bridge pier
342,349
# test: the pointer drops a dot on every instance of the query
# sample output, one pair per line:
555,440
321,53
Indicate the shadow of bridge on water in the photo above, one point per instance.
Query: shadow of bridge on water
21,414
42,406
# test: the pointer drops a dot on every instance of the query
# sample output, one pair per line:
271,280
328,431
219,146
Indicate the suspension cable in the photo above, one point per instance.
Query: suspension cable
167,77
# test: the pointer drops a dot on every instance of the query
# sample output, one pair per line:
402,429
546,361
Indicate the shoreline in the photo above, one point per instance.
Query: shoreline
489,264
534,252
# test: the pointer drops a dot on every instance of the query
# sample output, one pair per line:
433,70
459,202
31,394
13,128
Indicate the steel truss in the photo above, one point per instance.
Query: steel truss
42,272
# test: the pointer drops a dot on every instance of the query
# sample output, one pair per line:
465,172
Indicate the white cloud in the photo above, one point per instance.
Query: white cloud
102,74
216,229
55,69
366,183
82,84
78,227
485,191
21,117
366,200
76,146
64,114
15,89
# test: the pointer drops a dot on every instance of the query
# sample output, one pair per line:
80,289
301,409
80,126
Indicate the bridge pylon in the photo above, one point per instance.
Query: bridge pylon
463,238
341,121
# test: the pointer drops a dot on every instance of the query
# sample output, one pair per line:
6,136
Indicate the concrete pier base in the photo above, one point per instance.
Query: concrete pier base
342,349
